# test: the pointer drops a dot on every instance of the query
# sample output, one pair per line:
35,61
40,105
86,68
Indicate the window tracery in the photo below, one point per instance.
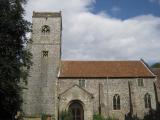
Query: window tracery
116,102
45,29
147,100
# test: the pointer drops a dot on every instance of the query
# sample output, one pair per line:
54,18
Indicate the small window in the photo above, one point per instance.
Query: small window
45,53
45,29
82,83
147,100
116,102
140,82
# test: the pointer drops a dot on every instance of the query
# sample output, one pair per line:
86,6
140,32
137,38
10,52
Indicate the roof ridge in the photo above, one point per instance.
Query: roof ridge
144,63
100,60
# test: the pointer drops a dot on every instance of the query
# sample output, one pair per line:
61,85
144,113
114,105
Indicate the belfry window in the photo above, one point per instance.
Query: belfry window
82,83
45,29
116,102
140,82
147,100
45,53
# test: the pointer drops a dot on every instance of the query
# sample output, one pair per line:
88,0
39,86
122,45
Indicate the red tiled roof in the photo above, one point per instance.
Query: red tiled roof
104,69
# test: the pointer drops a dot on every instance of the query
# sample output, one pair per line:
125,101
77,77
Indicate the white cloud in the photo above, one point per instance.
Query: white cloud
155,1
115,9
152,1
67,6
101,37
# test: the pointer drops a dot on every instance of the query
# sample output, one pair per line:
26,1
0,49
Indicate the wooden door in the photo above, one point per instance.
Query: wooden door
77,111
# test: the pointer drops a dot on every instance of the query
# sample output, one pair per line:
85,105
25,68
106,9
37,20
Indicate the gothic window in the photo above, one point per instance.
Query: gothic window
45,29
45,53
116,102
140,82
82,83
147,100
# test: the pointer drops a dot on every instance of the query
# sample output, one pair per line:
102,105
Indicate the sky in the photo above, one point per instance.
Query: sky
106,29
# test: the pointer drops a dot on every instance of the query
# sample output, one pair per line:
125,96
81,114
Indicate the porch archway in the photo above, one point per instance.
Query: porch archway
76,110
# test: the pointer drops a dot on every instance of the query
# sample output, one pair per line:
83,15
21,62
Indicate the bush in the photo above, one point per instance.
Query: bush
45,116
65,115
100,117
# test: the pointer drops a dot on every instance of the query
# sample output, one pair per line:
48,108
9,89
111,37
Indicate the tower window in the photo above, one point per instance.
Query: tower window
82,83
45,29
147,100
116,102
45,53
140,82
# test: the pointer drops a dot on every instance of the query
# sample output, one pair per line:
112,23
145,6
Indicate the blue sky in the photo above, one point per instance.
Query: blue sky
106,29
125,9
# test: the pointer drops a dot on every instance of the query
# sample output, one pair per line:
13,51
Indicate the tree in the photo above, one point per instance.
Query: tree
156,65
15,59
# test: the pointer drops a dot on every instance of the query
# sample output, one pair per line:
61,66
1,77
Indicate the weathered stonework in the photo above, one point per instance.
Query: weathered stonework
48,93
77,93
156,71
41,93
110,87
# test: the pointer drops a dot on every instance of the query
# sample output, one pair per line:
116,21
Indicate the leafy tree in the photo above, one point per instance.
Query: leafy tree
15,59
156,65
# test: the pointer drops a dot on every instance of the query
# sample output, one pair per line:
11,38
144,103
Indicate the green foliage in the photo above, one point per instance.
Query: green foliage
45,116
100,117
65,115
156,65
15,59
153,114
110,118
133,117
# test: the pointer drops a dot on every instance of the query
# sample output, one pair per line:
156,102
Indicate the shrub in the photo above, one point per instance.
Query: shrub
65,115
100,117
45,116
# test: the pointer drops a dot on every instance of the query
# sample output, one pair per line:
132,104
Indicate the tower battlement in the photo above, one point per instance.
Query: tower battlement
46,14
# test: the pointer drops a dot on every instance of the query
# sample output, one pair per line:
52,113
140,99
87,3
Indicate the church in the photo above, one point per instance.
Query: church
109,88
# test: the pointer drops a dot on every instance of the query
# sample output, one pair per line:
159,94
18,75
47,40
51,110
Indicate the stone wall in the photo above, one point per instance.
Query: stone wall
41,93
30,118
110,87
138,93
75,93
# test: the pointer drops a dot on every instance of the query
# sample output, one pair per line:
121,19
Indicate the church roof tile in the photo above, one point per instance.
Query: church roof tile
110,69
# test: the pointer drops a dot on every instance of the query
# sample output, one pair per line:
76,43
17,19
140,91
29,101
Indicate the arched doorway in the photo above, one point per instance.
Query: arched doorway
76,110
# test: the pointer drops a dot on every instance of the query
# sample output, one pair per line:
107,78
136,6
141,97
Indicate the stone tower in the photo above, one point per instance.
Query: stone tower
41,93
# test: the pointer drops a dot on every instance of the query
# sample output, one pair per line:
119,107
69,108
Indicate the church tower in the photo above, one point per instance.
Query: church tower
41,93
